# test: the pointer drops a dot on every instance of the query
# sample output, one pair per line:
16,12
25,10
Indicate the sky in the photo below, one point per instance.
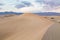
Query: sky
30,5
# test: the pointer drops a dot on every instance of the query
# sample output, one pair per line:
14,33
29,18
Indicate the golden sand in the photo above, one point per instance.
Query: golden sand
24,27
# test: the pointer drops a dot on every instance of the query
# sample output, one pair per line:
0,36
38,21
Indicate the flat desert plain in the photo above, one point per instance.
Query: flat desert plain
24,27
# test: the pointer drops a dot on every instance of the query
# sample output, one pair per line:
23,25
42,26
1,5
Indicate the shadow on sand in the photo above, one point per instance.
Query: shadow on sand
53,33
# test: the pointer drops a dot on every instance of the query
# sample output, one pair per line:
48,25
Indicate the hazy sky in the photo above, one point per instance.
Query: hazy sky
30,5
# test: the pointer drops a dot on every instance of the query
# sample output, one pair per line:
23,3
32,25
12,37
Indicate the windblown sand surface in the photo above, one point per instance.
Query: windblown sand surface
24,27
55,19
53,33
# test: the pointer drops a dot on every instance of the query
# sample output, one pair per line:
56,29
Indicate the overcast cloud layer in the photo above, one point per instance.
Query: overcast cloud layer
30,5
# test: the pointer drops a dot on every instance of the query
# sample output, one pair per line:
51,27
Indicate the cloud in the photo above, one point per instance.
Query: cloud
0,8
50,2
27,3
19,6
31,9
23,4
30,5
1,4
47,4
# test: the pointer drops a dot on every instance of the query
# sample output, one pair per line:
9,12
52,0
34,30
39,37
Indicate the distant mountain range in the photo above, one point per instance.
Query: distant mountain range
4,13
48,13
38,13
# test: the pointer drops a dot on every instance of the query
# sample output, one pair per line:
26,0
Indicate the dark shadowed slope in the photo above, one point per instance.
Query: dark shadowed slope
53,33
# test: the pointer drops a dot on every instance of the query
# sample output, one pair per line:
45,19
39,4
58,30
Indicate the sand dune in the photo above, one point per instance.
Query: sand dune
55,19
53,33
5,18
24,27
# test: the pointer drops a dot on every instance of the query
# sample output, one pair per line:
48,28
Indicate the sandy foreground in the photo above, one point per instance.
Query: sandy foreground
24,27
